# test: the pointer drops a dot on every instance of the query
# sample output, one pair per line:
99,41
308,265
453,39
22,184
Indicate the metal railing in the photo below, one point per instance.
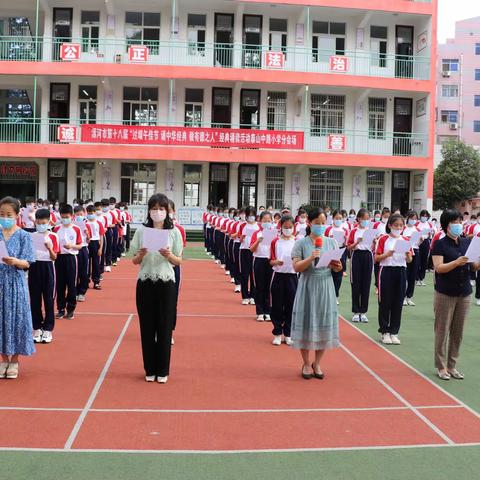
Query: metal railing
44,131
222,55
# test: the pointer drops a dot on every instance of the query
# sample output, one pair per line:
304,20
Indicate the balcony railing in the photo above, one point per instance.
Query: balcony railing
222,55
316,139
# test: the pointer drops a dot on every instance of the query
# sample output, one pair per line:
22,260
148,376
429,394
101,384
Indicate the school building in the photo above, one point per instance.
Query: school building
235,102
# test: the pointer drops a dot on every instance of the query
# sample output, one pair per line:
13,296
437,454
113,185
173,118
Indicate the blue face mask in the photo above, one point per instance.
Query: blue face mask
66,221
79,218
104,209
42,227
412,222
267,225
7,223
318,230
236,218
91,216
364,223
423,219
338,223
456,229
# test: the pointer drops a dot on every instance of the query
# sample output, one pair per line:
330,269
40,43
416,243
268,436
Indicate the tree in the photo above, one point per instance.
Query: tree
457,178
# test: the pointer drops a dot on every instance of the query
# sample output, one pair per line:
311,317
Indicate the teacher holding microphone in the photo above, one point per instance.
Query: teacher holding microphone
156,290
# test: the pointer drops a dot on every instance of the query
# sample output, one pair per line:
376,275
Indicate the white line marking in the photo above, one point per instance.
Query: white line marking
418,372
399,397
96,388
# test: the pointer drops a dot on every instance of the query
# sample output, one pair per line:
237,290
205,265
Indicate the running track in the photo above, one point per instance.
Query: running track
229,390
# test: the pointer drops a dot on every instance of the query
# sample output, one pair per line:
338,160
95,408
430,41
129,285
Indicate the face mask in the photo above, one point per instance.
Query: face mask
267,225
251,218
338,223
75,205
364,223
56,208
66,221
122,209
395,232
318,230
236,218
377,219
98,212
288,232
230,215
412,222
303,220
351,217
104,209
79,218
456,229
91,216
172,216
242,216
158,215
30,208
112,207
423,219
42,227
7,223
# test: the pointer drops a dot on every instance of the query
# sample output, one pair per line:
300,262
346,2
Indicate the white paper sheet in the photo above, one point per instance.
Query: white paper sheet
82,226
154,239
368,237
329,256
39,242
3,251
269,235
402,246
415,239
473,251
339,237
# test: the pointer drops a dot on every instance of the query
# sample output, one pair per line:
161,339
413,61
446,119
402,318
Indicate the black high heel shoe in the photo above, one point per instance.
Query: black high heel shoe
306,376
320,376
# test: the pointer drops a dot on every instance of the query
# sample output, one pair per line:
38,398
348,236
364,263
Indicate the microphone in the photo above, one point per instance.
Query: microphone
318,246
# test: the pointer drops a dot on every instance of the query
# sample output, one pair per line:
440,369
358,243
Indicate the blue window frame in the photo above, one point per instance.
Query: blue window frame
476,100
476,126
477,49
477,74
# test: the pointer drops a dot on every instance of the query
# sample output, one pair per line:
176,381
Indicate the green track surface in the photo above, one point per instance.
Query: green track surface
459,463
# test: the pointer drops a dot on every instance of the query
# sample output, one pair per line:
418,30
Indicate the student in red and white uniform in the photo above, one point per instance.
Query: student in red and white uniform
245,233
392,280
361,267
227,241
128,223
284,282
66,268
473,229
230,242
82,257
209,230
412,268
205,226
262,270
235,234
101,217
301,224
379,226
27,215
340,234
114,212
95,231
426,227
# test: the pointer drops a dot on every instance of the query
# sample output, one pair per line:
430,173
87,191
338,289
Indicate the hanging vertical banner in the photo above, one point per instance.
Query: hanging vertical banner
296,184
106,177
169,180
356,190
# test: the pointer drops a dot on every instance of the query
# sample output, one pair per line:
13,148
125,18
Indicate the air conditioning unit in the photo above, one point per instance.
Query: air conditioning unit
454,126
446,74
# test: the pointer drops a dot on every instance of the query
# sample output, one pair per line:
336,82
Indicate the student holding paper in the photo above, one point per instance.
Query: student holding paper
413,233
426,227
315,315
16,256
245,234
156,290
392,278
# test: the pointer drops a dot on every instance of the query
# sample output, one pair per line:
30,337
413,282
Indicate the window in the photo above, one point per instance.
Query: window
138,182
378,46
87,96
140,105
275,186
18,104
327,114
476,100
193,107
326,188
449,116
450,65
90,31
477,49
377,108
477,74
375,189
476,126
247,185
85,180
278,35
449,90
192,176
328,39
196,34
441,139
143,29
276,110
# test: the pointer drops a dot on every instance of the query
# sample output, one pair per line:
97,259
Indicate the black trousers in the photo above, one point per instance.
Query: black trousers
127,238
246,273
338,276
231,257
178,279
66,269
424,251
236,262
94,261
361,279
219,240
392,285
376,271
156,312
41,283
262,276
115,244
108,246
209,236
412,269
283,290
82,280
102,258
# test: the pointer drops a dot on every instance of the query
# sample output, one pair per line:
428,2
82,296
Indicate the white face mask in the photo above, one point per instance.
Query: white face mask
396,232
302,220
251,219
158,215
287,231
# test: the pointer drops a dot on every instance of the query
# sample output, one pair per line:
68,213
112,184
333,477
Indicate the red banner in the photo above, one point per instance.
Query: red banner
195,137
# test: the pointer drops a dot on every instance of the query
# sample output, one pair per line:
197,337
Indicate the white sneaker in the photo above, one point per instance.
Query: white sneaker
162,380
288,341
223,266
238,288
356,318
217,262
245,301
268,318
150,378
472,283
478,302
423,284
386,339
173,341
395,340
108,269
260,318
363,319
418,283
227,272
277,340
252,301
47,337
405,302
37,336
338,303
232,280
410,302
124,254
81,298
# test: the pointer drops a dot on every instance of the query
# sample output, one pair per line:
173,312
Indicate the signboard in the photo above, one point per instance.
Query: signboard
67,133
138,53
139,214
18,171
187,136
337,142
338,64
70,52
275,60
190,217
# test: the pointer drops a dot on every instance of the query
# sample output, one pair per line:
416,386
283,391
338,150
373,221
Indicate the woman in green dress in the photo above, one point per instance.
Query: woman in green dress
315,315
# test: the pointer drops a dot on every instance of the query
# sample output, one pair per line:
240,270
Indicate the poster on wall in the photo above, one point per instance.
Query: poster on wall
418,182
139,214
169,180
421,107
296,184
417,204
299,34
106,178
190,217
422,41
356,190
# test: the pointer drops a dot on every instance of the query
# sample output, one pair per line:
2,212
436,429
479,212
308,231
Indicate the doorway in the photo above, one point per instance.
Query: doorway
401,191
59,107
221,107
404,51
223,50
247,185
218,184
57,180
252,41
249,108
402,126
62,29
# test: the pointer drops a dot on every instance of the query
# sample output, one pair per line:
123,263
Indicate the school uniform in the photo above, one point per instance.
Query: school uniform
95,231
412,267
178,271
115,221
246,260
209,233
424,249
301,230
226,245
104,221
41,284
236,252
66,267
380,228
338,233
27,218
391,286
262,273
230,252
283,287
474,231
83,261
128,223
361,268
220,239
